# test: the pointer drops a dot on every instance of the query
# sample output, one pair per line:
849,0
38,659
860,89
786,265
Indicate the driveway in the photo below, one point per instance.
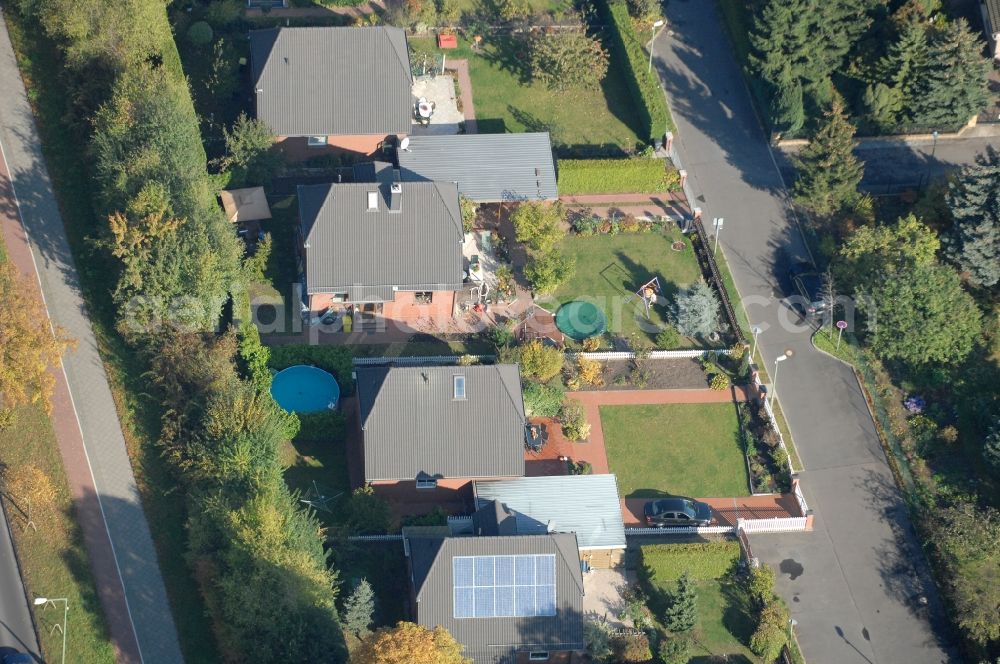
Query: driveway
853,583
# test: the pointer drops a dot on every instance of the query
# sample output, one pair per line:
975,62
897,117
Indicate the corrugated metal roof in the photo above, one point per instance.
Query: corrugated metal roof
332,81
370,253
993,13
413,426
487,167
497,639
587,505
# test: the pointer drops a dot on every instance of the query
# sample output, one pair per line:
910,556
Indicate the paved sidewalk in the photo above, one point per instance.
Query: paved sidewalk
106,497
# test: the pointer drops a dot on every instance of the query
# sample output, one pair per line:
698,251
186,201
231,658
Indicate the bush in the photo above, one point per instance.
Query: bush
631,648
469,212
696,311
200,33
367,513
760,584
771,634
563,60
543,400
547,272
335,359
627,51
612,176
540,361
675,650
326,427
539,226
667,562
591,344
668,338
720,382
589,371
574,421
580,467
597,635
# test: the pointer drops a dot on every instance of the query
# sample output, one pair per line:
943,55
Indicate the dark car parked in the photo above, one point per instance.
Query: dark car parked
677,512
808,285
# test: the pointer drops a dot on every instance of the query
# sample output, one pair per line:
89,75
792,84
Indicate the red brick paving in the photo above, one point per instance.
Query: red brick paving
726,510
547,462
75,461
460,67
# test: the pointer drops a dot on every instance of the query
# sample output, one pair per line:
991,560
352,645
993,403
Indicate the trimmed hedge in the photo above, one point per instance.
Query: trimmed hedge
627,51
615,176
667,562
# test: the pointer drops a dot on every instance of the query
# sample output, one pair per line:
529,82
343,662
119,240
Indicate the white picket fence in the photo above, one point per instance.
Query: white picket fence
797,490
427,359
683,530
773,525
654,355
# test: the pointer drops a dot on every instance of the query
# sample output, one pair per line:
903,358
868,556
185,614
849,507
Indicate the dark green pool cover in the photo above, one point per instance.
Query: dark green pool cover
580,320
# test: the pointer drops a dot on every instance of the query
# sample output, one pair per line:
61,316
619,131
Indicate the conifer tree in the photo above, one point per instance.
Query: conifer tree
952,87
682,614
780,39
359,608
899,73
829,173
974,200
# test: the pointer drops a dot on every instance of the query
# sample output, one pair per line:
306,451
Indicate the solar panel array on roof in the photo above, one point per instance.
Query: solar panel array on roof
504,586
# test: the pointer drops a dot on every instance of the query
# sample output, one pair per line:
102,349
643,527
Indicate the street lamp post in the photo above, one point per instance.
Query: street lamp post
656,24
717,224
774,379
756,330
44,601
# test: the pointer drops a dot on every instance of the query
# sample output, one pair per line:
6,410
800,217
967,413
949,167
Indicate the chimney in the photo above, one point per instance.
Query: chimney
550,527
372,200
395,197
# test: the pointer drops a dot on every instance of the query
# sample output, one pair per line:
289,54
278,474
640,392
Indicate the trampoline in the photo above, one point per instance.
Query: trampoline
305,389
580,320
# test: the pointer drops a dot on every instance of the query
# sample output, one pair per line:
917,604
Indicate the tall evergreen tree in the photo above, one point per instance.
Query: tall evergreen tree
781,43
682,614
359,608
974,200
787,106
829,173
899,73
953,84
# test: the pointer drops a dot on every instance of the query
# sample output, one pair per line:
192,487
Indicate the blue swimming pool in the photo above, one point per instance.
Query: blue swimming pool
304,389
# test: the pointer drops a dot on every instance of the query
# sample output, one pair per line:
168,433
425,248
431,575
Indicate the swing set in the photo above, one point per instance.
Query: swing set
649,291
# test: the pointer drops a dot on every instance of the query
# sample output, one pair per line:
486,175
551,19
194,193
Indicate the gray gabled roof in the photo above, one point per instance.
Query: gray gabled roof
497,639
587,505
993,15
487,167
413,427
332,81
369,254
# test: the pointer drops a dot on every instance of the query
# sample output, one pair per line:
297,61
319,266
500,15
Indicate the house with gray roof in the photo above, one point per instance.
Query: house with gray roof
990,10
488,168
426,432
323,88
586,505
390,250
508,600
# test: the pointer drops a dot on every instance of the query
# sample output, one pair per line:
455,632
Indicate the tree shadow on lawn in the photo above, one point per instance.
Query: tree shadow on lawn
509,54
737,616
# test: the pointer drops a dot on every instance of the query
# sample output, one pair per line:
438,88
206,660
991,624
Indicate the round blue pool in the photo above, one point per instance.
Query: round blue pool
304,389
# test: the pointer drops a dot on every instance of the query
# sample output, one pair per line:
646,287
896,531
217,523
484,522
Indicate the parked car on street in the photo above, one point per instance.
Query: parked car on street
677,511
808,285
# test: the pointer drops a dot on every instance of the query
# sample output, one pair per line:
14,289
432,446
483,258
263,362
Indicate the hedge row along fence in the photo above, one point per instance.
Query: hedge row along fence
708,560
627,50
616,176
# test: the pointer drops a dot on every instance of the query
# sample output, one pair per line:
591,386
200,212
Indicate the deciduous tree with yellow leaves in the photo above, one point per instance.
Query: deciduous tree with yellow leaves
409,643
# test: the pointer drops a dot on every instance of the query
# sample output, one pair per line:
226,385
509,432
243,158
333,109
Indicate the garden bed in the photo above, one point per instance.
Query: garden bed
679,374
767,461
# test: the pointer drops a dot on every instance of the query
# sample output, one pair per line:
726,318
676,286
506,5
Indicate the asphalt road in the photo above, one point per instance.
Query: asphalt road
854,583
16,630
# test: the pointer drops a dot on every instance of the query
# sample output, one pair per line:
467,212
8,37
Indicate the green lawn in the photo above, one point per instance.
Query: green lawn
675,449
611,268
725,618
582,122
